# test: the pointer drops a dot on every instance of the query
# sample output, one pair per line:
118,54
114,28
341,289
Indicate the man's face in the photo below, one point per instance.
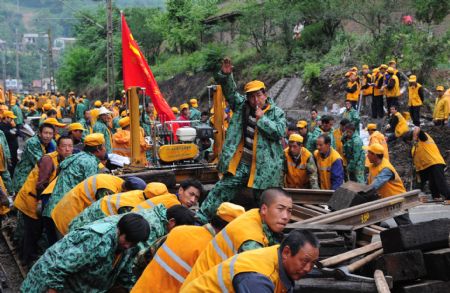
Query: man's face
303,131
322,147
185,112
392,110
257,98
204,118
352,77
46,135
313,115
349,133
104,117
77,134
365,71
278,213
87,116
124,244
294,148
298,265
101,153
150,108
372,157
65,148
326,126
440,93
189,196
348,105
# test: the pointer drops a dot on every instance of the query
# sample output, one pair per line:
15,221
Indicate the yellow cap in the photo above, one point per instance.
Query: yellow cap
440,88
412,78
354,69
117,102
155,189
75,126
123,113
193,102
383,66
376,70
47,107
184,106
390,70
13,101
228,211
9,114
175,110
371,126
392,62
3,107
254,86
365,66
54,122
94,139
375,148
296,137
302,124
97,103
124,122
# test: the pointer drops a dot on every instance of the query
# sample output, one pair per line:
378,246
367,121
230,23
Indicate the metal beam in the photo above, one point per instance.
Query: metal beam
368,213
309,196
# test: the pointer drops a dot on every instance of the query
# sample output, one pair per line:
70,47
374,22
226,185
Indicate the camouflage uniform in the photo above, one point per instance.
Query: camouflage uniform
353,116
147,126
269,154
101,127
195,115
355,157
311,144
18,112
32,152
86,126
272,237
83,261
73,170
90,214
6,176
79,111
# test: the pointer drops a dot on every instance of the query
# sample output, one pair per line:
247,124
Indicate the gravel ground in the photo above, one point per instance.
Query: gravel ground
12,271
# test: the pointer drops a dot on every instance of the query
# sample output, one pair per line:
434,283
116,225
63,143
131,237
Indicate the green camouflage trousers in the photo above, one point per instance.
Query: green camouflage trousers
224,190
6,177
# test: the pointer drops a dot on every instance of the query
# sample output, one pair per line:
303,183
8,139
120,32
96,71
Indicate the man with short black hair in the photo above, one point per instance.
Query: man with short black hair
255,229
35,147
354,154
91,259
326,127
270,269
329,164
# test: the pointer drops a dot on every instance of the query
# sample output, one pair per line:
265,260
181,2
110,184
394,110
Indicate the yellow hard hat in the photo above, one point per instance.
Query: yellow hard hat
98,103
365,66
392,62
154,189
54,122
296,137
9,114
94,139
47,107
302,124
175,110
228,211
390,70
354,69
184,106
75,126
254,86
124,122
193,103
375,148
383,66
371,126
412,78
440,88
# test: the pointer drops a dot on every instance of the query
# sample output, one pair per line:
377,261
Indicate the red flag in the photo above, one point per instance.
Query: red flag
136,72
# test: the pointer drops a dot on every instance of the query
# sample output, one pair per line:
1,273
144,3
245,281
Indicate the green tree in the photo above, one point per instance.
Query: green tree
76,70
432,11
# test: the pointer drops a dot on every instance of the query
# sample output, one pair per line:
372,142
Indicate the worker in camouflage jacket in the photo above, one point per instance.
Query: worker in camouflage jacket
94,258
354,153
351,114
252,155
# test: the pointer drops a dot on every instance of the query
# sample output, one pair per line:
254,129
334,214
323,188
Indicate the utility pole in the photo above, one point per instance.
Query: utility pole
110,79
50,62
17,50
4,67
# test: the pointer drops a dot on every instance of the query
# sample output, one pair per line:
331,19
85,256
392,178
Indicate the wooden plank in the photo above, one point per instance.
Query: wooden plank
429,235
438,264
349,194
380,282
402,266
427,286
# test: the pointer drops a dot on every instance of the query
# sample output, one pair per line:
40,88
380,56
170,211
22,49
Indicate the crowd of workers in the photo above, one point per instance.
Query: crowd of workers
81,229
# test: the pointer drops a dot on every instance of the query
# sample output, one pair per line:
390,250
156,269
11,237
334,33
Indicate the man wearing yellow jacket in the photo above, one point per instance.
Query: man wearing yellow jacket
376,137
271,269
255,229
441,108
398,126
29,197
121,141
384,178
300,169
173,262
415,99
429,164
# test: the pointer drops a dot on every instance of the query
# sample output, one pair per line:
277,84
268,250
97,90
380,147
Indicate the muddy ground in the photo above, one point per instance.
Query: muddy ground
14,278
